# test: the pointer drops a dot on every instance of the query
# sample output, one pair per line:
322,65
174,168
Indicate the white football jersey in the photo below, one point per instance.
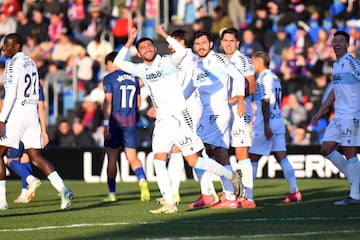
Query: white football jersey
268,86
346,85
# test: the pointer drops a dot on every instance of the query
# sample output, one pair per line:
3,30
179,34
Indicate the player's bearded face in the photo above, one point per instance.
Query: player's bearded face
147,51
202,46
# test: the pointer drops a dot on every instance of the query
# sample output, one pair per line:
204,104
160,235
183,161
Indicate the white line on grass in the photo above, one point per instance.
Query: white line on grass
84,225
265,236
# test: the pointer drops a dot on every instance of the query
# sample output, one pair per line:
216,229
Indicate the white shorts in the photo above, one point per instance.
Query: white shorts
241,131
174,130
214,129
23,129
346,132
262,146
194,106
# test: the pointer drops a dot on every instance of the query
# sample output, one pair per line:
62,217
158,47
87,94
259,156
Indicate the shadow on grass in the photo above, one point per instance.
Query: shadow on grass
316,216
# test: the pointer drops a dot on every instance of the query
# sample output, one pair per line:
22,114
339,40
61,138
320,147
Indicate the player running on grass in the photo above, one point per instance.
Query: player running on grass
18,160
19,117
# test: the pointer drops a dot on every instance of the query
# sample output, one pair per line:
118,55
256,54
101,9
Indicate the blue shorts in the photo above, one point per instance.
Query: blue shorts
16,153
125,137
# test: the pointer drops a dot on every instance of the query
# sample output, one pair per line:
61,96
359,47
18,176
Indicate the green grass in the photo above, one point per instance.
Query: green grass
314,218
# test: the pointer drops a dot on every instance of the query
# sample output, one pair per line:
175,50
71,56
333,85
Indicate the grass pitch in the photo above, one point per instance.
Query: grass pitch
314,218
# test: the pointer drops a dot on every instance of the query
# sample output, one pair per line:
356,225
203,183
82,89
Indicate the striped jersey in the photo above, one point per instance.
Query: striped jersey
124,89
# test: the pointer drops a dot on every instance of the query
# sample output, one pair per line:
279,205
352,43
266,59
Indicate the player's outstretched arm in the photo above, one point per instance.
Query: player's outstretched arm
180,51
119,60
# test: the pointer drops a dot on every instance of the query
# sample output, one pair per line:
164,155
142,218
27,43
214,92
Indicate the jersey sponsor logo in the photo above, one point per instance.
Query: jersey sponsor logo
337,78
275,115
154,76
185,141
29,101
346,132
238,132
203,76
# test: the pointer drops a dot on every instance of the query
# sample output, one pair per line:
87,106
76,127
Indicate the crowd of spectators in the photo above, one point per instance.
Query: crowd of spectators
67,37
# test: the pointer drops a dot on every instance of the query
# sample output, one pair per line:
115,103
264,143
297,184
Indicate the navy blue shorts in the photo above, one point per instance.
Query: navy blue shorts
124,137
16,153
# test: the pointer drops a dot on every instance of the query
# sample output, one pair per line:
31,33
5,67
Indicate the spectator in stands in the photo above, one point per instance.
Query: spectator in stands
10,7
302,41
7,24
121,28
237,12
288,71
51,6
31,47
314,23
97,50
282,40
97,94
90,114
95,22
83,137
23,26
220,21
261,25
311,65
63,136
323,45
203,22
186,11
249,43
39,25
295,11
354,43
75,15
63,49
85,72
55,27
314,93
294,113
300,135
275,14
56,82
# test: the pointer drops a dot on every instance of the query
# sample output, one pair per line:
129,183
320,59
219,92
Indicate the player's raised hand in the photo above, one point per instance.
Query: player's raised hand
132,37
160,30
133,34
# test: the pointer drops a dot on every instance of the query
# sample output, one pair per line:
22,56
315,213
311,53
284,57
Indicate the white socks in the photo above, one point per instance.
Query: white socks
2,190
56,181
163,180
247,177
176,169
289,174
